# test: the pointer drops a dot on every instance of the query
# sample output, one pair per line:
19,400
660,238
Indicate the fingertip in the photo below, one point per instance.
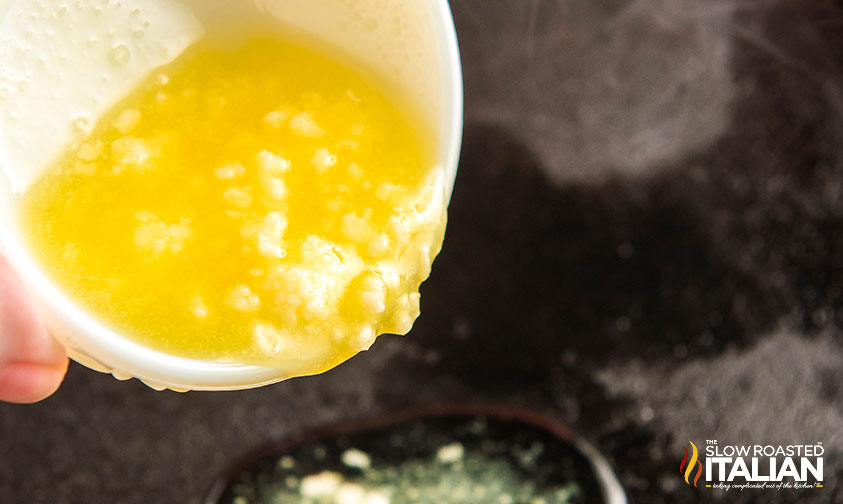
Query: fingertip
26,382
23,335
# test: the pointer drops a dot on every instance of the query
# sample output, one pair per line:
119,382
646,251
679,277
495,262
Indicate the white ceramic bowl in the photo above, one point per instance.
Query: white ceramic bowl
97,347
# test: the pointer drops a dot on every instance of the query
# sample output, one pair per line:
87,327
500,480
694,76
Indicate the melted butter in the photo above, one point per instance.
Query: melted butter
263,205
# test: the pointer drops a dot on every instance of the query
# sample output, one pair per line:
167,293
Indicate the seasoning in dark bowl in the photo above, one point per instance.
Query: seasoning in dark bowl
489,456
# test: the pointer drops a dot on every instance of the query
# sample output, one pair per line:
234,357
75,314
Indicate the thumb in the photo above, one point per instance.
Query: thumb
32,363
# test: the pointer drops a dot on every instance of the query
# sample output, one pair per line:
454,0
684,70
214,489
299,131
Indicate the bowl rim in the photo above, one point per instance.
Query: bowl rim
607,479
97,346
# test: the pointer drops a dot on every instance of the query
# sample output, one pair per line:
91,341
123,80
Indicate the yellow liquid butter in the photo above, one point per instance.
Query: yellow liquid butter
263,205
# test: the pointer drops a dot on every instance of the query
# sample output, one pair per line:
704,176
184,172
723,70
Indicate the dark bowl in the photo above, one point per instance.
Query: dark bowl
592,471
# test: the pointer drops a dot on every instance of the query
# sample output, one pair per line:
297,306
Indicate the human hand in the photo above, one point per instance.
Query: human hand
32,363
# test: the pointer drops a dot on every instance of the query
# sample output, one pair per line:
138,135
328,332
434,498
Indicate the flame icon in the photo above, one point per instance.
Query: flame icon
687,467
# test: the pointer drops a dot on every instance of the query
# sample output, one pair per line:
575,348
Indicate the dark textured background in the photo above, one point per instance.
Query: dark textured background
646,242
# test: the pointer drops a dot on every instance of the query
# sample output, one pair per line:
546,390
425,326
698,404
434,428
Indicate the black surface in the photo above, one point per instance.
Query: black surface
646,242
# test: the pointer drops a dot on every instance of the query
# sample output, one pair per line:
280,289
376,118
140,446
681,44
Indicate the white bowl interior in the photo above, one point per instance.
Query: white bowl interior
433,80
